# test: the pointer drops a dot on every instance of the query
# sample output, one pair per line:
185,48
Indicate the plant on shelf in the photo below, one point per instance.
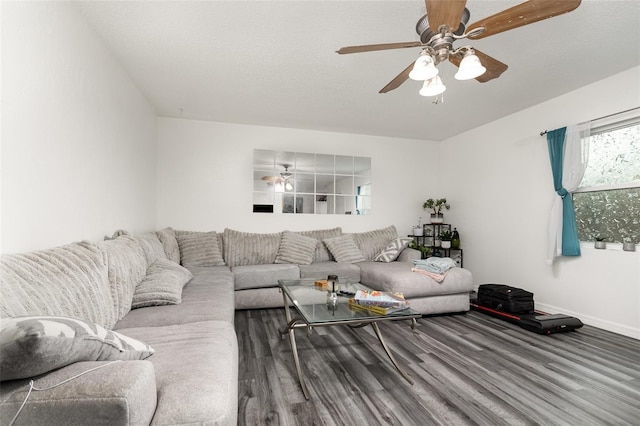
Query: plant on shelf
445,237
425,251
436,205
600,243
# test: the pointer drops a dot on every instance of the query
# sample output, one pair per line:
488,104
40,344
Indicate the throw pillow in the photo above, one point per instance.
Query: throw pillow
167,237
244,248
199,249
393,250
344,249
30,346
371,243
322,253
162,285
72,281
127,266
296,248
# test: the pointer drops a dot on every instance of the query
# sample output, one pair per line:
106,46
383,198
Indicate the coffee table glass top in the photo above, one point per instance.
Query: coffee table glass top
311,302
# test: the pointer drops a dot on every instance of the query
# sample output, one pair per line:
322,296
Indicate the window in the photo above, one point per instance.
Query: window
607,203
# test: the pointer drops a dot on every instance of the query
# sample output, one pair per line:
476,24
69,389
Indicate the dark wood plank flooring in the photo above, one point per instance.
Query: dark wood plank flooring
468,370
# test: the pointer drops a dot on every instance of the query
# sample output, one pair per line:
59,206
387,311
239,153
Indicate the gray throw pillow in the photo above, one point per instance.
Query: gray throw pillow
393,250
322,253
34,345
162,285
371,243
199,249
244,248
344,249
167,237
296,248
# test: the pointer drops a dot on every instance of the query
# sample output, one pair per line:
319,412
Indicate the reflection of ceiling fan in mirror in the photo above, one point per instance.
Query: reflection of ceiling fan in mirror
444,23
284,180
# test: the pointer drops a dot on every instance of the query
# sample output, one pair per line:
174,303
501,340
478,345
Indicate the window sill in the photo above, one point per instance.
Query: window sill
610,246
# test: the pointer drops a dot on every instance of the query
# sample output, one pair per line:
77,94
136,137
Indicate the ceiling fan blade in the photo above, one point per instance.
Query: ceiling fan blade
494,67
444,12
374,47
398,80
523,14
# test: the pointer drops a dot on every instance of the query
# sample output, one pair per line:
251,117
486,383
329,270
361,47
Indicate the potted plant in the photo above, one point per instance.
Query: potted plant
425,251
445,237
418,231
628,245
600,243
436,206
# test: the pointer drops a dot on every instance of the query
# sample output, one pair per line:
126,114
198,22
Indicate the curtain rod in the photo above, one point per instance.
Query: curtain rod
599,118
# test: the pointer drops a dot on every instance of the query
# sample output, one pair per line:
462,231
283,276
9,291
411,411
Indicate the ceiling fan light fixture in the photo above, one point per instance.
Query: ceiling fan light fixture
433,87
424,68
286,174
470,67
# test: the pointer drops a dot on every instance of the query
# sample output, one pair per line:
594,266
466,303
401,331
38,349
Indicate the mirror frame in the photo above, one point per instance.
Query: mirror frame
287,182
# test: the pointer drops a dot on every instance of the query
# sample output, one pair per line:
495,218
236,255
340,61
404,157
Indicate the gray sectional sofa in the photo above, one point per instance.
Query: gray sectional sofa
138,329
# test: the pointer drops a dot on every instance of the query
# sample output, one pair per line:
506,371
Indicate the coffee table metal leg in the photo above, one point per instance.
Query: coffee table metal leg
386,349
294,347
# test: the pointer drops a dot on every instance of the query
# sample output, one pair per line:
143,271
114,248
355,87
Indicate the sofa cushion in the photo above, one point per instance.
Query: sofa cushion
320,270
371,243
199,249
167,237
126,395
162,285
71,280
127,267
34,345
151,246
258,276
322,253
243,248
344,249
397,276
196,367
296,248
393,250
208,296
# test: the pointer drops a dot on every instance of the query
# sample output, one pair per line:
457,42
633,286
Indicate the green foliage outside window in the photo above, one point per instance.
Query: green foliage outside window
612,213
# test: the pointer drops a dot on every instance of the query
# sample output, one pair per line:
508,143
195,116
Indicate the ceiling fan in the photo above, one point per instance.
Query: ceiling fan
444,23
282,180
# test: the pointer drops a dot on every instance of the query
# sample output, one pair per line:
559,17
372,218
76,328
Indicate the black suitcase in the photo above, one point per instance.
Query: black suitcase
505,298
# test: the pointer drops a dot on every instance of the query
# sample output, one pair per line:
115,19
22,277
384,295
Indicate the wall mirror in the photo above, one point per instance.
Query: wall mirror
304,183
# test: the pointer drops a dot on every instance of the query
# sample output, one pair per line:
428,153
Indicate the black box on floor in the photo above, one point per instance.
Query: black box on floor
547,324
538,322
505,298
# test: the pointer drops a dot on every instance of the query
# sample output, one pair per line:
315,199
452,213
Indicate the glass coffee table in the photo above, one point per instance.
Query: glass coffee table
310,302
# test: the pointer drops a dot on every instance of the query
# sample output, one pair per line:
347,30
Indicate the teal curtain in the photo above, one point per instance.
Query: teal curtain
570,241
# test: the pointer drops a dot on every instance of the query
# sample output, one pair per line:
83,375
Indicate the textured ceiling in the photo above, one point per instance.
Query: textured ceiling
273,63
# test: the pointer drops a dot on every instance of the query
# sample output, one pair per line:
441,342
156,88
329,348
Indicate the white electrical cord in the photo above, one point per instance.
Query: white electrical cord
33,388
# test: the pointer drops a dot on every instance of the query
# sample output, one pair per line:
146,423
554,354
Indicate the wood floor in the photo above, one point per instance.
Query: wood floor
468,370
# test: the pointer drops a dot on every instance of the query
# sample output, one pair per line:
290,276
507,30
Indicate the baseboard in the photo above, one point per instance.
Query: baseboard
593,321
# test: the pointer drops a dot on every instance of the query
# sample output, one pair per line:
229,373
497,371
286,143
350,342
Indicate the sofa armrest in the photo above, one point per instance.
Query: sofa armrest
408,255
120,393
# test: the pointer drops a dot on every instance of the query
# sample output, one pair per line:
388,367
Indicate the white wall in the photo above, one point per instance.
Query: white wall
501,191
78,138
205,179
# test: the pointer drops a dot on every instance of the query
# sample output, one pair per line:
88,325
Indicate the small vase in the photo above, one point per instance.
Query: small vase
437,243
628,246
455,244
437,218
600,245
446,244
